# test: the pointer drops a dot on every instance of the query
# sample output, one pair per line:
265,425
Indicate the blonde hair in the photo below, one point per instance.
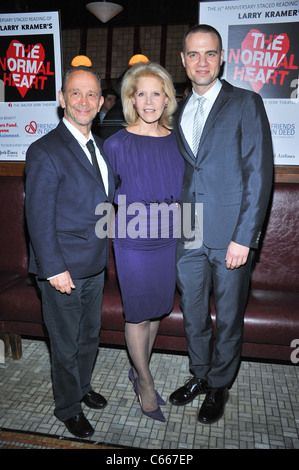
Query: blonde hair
129,87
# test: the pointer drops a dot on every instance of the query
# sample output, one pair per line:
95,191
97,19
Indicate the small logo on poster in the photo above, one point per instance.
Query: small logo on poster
39,129
31,127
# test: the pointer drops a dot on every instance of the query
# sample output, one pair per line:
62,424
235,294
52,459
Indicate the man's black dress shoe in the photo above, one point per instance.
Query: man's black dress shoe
79,426
187,393
213,405
94,400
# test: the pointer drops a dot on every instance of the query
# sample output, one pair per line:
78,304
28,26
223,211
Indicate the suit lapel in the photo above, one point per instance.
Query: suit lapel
78,152
221,100
111,181
217,107
184,148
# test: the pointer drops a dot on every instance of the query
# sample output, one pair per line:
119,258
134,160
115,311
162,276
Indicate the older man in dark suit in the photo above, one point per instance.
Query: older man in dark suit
67,176
224,136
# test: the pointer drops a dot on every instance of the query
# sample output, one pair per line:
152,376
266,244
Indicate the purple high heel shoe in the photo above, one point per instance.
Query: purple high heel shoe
155,414
160,400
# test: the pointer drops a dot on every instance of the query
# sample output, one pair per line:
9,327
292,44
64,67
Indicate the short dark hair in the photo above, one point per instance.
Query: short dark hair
203,28
109,91
85,68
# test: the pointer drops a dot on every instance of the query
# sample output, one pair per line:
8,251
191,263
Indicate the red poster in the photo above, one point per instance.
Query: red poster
27,68
264,58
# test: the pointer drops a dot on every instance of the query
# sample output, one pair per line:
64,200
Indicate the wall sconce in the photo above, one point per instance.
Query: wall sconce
104,11
135,59
81,60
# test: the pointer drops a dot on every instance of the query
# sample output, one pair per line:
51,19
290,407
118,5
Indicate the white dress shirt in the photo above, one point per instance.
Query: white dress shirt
83,141
191,107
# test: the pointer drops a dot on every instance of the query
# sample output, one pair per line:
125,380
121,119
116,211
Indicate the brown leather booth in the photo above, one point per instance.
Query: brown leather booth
272,315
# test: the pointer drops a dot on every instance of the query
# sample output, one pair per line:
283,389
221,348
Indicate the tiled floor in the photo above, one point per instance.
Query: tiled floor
262,412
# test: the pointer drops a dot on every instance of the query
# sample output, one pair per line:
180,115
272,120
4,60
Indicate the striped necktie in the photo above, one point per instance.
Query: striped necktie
198,124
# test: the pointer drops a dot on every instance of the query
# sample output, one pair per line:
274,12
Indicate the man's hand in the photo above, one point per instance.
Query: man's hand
236,255
63,282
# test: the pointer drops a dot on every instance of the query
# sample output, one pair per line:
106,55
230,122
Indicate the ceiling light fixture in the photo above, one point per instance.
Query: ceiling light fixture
104,11
81,60
135,59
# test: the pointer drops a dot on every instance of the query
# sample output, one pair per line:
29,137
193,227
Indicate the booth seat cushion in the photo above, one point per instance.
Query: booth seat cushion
8,278
271,317
112,310
13,241
277,260
20,303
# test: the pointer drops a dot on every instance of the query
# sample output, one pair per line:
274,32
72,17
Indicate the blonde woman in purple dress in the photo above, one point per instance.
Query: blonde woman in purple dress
149,172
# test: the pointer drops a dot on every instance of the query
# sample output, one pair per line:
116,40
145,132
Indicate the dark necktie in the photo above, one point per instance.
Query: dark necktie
94,160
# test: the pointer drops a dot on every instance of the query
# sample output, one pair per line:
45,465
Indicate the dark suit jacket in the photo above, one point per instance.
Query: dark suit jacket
62,192
232,173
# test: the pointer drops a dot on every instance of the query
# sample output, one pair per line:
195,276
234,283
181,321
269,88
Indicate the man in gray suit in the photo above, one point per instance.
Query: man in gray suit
227,182
67,176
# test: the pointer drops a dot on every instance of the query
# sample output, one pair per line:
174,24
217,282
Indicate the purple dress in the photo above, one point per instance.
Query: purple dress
149,174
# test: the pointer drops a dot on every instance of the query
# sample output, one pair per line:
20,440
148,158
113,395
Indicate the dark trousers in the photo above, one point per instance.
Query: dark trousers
73,323
199,272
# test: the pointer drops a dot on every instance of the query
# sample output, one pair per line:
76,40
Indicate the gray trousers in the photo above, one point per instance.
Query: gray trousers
199,272
73,323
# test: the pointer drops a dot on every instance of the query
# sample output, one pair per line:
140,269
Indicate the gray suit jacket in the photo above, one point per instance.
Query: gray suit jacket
232,173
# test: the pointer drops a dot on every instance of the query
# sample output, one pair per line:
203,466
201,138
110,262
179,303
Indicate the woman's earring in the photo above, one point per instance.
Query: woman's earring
166,104
134,105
